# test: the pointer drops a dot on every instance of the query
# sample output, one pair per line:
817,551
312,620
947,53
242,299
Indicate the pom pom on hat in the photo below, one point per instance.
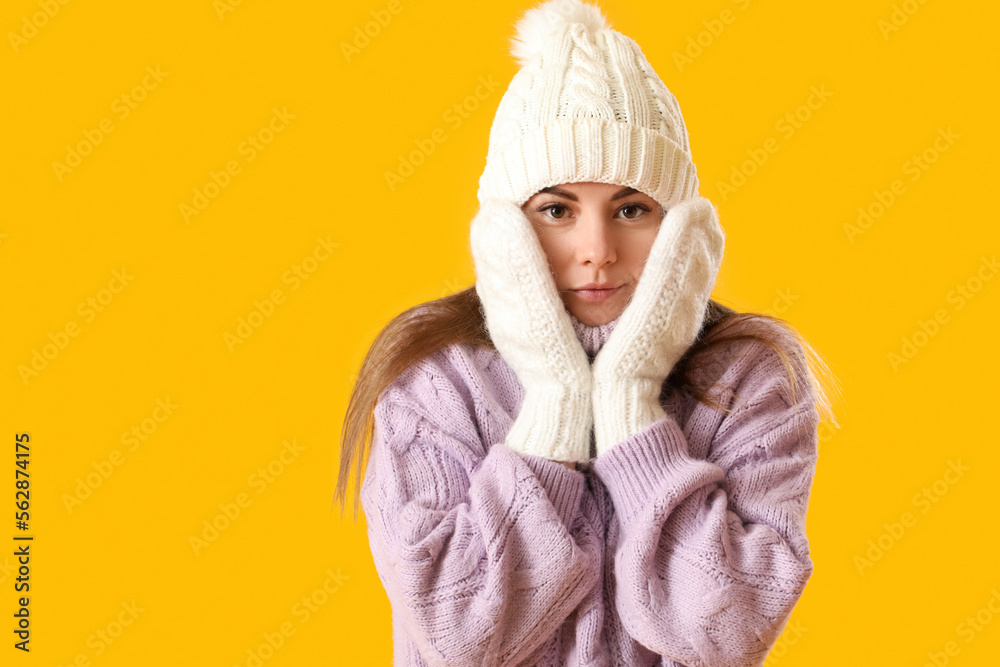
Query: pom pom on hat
538,23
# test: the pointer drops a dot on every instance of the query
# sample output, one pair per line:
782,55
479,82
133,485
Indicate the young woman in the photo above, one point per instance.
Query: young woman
583,459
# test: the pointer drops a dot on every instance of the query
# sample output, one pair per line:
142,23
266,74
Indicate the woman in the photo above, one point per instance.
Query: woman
583,460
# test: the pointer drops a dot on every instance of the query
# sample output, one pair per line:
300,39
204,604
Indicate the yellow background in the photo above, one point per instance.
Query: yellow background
163,335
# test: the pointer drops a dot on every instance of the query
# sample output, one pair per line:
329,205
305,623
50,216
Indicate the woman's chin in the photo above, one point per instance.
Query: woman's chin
595,314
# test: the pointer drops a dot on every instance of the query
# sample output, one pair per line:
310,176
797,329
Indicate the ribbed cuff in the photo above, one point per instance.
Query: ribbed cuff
650,465
553,422
623,408
563,486
572,150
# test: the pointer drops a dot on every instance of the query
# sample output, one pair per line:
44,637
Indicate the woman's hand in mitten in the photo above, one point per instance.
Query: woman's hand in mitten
532,332
660,322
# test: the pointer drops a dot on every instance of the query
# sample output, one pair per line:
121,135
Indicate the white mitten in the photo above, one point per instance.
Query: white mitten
659,324
532,332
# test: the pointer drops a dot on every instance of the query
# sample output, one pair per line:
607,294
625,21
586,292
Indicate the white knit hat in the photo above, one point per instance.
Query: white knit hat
586,106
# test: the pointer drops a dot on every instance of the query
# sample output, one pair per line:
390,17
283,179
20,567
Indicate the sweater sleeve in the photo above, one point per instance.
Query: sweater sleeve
712,554
483,557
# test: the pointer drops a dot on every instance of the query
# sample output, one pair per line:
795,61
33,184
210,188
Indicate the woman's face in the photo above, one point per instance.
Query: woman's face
594,233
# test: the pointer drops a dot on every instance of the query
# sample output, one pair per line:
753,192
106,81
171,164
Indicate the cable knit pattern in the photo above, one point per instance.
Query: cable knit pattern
684,545
531,328
586,107
589,77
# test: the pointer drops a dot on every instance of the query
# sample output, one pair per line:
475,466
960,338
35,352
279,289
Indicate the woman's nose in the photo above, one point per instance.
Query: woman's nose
594,240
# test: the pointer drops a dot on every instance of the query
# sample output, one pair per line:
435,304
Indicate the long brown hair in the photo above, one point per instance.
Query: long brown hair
458,318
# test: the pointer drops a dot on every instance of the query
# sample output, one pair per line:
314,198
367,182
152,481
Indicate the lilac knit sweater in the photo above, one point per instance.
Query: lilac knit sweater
683,545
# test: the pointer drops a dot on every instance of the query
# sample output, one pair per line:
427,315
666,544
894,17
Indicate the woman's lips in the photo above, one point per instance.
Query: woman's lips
597,294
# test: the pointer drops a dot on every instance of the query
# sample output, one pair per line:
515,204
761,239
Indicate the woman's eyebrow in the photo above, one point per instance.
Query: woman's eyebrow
553,190
625,192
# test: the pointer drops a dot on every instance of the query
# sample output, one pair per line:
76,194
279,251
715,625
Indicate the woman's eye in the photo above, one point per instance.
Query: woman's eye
634,208
556,211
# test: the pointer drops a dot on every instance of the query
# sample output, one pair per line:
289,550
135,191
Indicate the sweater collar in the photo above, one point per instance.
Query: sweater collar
592,338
